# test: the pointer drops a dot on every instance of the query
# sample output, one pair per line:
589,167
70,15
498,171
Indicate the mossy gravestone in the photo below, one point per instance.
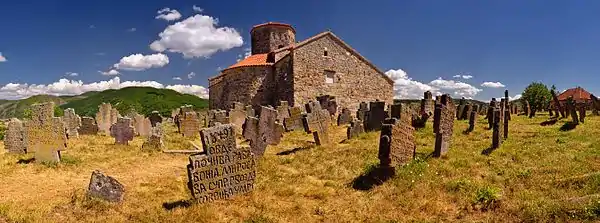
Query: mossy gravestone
225,170
443,124
294,122
263,131
46,135
317,122
105,187
122,131
88,126
397,142
14,141
72,122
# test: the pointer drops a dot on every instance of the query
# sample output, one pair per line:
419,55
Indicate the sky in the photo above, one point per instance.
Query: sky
466,48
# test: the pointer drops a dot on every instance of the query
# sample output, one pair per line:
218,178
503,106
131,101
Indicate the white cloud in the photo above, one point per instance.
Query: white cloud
139,62
407,88
168,14
456,88
111,72
516,97
463,76
132,29
72,74
2,58
197,36
75,87
492,84
177,78
191,75
197,9
247,53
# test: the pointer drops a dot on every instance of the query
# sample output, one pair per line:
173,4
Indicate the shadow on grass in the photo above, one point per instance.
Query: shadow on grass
568,126
423,156
25,161
488,151
373,177
295,150
549,122
177,204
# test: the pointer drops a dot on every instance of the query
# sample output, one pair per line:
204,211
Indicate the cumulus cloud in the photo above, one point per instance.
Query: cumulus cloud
191,75
168,14
75,87
492,84
132,29
407,88
177,78
516,97
197,36
2,58
111,72
139,62
456,88
72,74
197,9
463,76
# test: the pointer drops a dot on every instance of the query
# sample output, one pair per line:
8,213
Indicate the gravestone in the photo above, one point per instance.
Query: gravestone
317,122
473,118
106,116
224,171
461,114
427,104
283,111
395,111
344,117
506,119
328,103
595,105
154,118
557,104
122,131
263,131
527,109
490,113
174,113
294,122
362,112
497,128
376,115
142,125
572,110
14,140
45,135
443,124
397,142
217,116
182,111
105,187
250,111
155,139
355,129
237,116
88,126
581,108
72,122
190,124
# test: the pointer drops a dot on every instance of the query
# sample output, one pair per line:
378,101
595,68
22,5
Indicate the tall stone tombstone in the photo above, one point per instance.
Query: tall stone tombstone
263,131
106,116
595,105
497,128
189,124
217,116
376,115
557,104
294,122
237,116
155,139
460,115
355,129
581,108
396,142
443,125
344,117
231,168
142,125
362,112
154,118
328,103
122,131
506,119
88,126
45,134
427,104
490,113
283,111
395,111
72,122
527,108
317,122
473,118
572,110
14,140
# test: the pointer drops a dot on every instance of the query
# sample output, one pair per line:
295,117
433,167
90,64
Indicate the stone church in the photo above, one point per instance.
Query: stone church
281,69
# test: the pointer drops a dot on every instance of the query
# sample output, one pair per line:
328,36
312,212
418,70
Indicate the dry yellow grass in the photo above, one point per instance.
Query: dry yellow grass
539,174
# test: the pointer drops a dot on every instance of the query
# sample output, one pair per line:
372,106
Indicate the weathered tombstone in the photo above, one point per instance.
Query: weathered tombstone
141,125
344,117
376,115
223,162
595,105
460,115
88,126
283,111
427,104
557,104
190,124
154,118
473,118
154,140
572,110
105,187
237,116
397,142
294,122
467,111
250,111
443,124
395,111
122,131
497,128
506,119
581,108
72,122
217,116
263,131
362,112
527,109
355,129
45,134
106,116
317,122
14,140
328,102
490,113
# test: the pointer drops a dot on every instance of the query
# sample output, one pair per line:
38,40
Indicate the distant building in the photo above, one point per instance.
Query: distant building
579,95
281,69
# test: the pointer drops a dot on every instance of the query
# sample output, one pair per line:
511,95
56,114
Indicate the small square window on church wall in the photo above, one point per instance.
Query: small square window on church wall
329,77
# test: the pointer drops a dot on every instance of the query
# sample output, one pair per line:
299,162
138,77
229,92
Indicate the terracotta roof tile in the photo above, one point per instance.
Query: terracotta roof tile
579,94
253,60
273,24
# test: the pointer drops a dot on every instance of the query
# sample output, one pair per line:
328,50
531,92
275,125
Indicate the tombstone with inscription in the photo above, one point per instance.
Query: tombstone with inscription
294,122
344,117
122,131
190,124
88,126
72,122
317,122
224,171
263,131
141,125
237,116
355,129
45,134
506,119
443,124
427,104
155,139
397,142
154,118
376,115
106,116
14,140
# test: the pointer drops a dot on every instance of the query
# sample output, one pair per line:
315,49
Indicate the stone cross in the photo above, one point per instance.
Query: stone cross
122,131
263,131
363,111
237,116
88,126
222,162
397,142
190,124
294,122
283,111
141,125
376,116
355,129
317,122
344,117
14,140
72,122
155,139
443,124
473,118
45,135
106,116
154,118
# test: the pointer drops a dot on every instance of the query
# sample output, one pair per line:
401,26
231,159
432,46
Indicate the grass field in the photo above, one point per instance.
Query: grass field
539,174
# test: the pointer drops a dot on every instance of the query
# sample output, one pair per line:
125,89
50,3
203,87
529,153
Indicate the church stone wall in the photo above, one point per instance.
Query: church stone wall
249,85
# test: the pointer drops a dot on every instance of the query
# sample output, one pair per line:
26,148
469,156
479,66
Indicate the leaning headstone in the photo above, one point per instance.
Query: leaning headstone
443,124
72,122
317,122
88,126
122,131
362,111
190,124
527,109
45,134
283,111
572,110
14,140
294,122
344,117
154,118
328,103
473,118
155,139
355,129
263,131
105,187
224,171
557,104
237,116
581,108
106,116
376,115
397,142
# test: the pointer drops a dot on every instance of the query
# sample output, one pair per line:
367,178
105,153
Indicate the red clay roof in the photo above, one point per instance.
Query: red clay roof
274,24
578,94
253,60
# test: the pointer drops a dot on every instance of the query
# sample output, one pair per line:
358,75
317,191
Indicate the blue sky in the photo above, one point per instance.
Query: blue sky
422,44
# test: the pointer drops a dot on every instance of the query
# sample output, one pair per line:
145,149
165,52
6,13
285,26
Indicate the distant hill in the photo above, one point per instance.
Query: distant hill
143,99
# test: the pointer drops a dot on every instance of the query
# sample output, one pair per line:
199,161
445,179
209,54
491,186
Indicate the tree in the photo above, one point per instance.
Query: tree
538,96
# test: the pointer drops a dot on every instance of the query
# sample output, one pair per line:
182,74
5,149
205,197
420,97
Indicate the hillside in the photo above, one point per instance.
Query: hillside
16,108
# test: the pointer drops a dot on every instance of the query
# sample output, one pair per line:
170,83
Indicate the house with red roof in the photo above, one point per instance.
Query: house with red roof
579,95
